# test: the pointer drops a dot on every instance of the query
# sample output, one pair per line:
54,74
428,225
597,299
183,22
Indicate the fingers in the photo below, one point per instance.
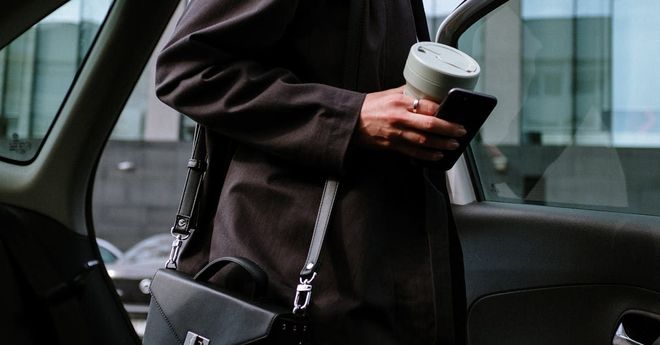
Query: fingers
421,117
393,121
427,140
416,144
419,153
397,90
396,136
413,151
431,124
424,107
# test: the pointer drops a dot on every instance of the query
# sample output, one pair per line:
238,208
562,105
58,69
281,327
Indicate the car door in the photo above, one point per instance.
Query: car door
66,69
556,205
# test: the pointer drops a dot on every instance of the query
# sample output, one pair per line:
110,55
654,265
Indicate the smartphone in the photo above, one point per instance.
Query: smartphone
467,108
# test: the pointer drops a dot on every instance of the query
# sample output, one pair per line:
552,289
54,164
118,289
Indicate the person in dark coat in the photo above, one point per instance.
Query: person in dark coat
291,92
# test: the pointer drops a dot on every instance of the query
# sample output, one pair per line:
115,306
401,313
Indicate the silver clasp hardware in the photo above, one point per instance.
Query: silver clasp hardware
306,290
175,251
303,291
195,339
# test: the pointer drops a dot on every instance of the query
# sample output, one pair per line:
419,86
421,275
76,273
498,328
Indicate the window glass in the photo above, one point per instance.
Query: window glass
38,68
137,188
577,123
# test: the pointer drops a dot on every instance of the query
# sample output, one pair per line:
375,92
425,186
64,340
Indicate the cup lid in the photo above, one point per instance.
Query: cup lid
436,61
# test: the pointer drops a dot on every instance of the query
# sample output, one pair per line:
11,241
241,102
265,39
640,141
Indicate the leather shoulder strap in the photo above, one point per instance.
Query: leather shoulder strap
322,221
421,25
304,290
186,220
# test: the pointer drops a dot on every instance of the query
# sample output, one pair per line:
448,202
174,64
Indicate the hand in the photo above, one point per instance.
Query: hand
387,121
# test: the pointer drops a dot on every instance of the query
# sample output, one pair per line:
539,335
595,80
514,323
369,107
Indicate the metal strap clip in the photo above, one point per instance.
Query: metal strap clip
175,251
303,291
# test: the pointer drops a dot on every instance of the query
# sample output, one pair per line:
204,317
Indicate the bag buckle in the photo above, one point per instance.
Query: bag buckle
303,292
175,251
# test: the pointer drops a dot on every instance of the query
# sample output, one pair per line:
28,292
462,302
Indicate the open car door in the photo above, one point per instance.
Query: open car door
66,69
557,204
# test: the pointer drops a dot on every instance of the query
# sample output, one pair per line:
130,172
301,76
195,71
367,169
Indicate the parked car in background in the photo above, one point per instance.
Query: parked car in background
109,252
133,272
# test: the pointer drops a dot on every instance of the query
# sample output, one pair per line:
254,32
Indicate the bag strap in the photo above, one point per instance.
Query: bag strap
421,25
308,273
185,222
320,227
356,23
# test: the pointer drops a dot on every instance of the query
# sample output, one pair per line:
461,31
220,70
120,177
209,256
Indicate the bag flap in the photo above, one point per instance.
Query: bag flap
191,306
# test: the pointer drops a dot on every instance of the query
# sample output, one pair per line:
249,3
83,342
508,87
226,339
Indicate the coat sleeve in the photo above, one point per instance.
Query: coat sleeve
208,71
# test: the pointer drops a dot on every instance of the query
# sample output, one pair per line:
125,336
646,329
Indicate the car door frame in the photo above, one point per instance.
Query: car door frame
47,200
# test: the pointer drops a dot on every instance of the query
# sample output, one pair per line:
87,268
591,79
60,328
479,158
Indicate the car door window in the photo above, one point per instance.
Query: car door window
36,71
137,187
578,120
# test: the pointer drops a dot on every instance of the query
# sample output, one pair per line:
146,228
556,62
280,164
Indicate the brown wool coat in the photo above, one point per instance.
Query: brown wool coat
268,75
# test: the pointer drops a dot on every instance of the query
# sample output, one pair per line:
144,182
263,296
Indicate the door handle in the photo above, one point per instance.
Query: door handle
638,328
622,338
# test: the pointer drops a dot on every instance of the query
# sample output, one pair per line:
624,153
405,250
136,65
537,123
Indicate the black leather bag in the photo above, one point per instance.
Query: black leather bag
188,310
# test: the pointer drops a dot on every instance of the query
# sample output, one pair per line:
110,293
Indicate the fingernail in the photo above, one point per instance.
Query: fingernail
438,156
453,144
461,132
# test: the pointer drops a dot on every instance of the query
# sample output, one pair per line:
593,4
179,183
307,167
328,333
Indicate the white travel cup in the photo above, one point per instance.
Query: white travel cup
432,69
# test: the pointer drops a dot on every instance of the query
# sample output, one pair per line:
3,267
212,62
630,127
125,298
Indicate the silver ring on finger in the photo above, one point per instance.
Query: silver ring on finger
415,105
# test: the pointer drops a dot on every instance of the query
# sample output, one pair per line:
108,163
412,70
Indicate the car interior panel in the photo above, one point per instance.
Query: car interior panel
541,273
59,285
